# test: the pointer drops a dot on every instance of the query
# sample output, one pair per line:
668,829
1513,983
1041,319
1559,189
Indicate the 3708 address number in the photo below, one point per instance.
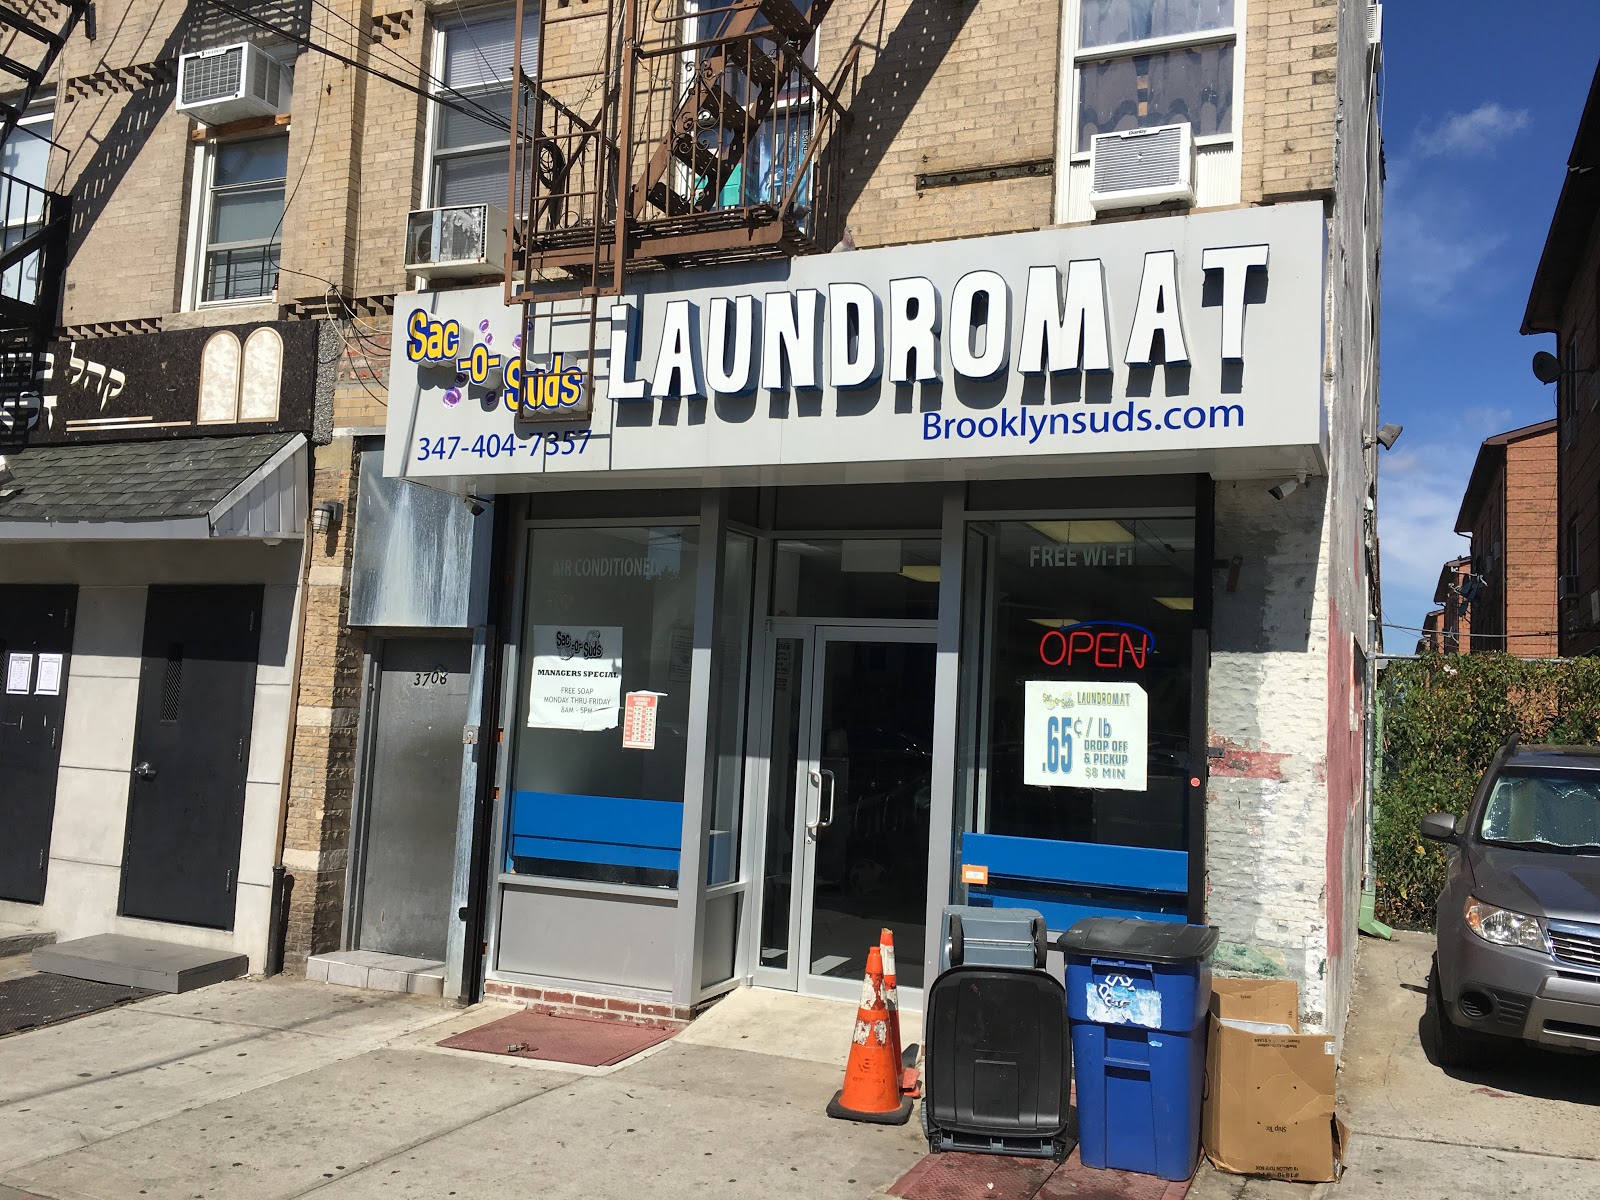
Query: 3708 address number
551,444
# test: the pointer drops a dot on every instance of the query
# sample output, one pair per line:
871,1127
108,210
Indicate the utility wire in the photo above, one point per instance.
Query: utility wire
477,112
434,81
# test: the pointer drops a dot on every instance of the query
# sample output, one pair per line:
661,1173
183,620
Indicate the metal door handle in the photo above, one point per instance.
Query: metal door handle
145,771
817,777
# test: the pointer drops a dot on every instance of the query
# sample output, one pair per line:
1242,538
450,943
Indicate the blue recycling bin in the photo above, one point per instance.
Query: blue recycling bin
1137,997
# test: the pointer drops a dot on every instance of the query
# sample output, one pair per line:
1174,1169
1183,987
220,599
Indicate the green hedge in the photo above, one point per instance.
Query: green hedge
1444,717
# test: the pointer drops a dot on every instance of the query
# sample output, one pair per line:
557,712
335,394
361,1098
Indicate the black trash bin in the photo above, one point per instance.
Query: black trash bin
998,1065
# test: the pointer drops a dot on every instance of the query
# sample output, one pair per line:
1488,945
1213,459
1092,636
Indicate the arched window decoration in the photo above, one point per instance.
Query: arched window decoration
262,378
219,379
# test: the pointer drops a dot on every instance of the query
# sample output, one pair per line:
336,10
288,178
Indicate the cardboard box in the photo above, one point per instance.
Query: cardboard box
1269,1096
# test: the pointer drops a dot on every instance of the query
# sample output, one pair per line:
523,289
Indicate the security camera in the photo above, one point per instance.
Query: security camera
1388,435
475,505
1283,489
8,479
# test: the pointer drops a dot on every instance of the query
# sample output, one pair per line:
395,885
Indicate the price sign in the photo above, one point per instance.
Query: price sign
1090,734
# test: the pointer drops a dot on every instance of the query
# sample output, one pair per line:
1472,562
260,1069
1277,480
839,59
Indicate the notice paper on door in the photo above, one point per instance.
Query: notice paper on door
577,677
19,674
639,720
48,681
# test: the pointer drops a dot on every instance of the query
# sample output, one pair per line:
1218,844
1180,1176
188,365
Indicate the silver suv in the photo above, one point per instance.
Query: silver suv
1518,952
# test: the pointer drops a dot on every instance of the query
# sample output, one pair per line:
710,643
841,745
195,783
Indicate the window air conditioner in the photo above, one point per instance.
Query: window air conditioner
1567,587
468,239
231,83
1137,167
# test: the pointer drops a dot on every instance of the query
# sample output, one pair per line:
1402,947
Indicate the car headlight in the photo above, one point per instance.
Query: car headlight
1504,927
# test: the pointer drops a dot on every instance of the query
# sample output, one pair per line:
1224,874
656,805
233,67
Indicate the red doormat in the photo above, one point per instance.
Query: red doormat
577,1040
995,1177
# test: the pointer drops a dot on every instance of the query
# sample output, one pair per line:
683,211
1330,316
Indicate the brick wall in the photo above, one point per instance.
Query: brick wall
1290,98
1579,455
322,772
1530,523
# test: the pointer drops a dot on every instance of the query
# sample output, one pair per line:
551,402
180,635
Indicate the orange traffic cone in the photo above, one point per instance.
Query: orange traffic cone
871,1089
891,1001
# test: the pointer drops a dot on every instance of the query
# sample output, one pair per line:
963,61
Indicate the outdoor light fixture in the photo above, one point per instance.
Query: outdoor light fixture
326,515
1388,435
475,504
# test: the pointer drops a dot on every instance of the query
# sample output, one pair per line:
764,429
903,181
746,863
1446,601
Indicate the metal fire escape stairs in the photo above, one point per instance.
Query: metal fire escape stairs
680,92
33,257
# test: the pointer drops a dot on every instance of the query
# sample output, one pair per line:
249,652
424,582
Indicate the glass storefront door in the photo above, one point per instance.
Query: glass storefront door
849,772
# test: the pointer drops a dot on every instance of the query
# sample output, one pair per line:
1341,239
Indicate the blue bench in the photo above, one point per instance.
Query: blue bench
609,830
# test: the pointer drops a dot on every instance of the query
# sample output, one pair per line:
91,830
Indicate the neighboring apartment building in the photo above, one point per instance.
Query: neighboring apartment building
1565,301
1450,631
877,494
1432,639
1509,510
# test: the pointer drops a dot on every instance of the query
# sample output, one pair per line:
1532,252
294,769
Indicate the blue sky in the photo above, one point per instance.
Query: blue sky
1479,115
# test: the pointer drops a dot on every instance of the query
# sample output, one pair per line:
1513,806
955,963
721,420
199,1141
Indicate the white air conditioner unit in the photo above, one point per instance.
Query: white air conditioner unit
1567,587
1374,24
231,83
1141,166
467,239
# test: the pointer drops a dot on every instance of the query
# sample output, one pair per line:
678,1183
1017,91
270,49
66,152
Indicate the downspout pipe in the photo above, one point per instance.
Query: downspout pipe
1368,922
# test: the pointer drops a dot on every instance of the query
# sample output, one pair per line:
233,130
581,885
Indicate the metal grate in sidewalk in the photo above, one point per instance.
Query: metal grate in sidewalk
31,1001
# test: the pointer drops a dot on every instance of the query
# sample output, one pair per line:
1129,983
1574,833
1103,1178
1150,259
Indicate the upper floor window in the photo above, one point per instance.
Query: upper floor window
25,157
1142,63
242,219
470,157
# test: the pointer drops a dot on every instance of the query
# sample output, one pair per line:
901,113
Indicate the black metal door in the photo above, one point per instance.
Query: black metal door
191,750
35,647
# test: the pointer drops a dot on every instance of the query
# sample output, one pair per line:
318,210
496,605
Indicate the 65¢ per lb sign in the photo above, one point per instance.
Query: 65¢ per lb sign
1089,734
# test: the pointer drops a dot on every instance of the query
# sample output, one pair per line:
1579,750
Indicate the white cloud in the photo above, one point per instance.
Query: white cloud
1470,133
1419,494
1433,245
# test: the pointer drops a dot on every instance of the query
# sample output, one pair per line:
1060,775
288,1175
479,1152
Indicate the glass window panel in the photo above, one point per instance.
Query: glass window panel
1193,86
25,155
251,162
733,638
474,179
252,216
1107,22
790,667
457,129
857,577
242,273
479,50
572,811
1034,577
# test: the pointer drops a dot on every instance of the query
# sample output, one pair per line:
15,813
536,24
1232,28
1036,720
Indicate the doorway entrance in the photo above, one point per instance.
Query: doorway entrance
849,778
191,752
35,646
412,795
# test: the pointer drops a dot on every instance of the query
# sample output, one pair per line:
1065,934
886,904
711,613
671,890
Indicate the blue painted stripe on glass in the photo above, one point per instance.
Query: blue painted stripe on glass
605,820
605,854
1084,863
1061,915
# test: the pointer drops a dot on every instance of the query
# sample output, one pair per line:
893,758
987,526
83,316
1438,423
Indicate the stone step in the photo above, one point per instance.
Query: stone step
380,972
19,939
139,962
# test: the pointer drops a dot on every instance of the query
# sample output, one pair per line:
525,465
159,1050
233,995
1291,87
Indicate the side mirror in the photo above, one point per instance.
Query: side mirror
1440,827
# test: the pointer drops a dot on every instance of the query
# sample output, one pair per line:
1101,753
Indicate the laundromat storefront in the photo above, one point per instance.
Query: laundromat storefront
867,582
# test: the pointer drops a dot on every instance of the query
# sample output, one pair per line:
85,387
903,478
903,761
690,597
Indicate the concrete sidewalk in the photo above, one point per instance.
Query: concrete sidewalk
1527,1125
275,1089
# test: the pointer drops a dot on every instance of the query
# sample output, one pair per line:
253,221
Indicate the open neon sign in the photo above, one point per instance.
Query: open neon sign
1110,645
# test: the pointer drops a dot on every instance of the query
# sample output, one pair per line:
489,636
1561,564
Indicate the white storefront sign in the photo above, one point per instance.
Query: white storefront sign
1085,734
1178,334
577,677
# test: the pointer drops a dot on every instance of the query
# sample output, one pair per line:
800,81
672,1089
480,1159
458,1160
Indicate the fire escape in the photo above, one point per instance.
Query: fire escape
33,221
652,134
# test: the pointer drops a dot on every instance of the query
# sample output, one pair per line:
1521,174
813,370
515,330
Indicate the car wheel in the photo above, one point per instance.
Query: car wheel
1450,1045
